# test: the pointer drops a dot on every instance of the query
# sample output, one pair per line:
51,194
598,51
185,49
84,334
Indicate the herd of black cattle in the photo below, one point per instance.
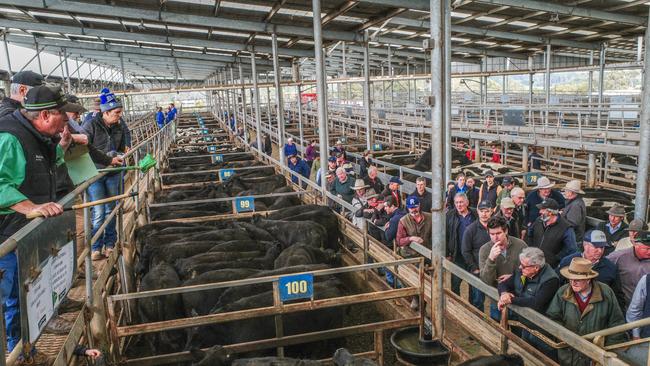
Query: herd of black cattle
294,238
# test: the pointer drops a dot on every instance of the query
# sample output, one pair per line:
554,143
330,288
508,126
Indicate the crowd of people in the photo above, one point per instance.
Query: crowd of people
535,248
163,118
38,124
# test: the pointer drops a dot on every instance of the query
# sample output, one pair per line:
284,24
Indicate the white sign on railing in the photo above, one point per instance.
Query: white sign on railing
45,292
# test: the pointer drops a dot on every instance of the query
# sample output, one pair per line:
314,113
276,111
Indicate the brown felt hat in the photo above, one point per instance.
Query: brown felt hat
579,269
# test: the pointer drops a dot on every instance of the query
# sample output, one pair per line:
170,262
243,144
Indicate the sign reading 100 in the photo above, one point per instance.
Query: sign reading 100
296,287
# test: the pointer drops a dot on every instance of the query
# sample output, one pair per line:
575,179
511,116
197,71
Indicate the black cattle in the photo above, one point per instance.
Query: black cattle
188,269
201,302
159,308
321,214
294,232
343,357
496,360
302,254
295,323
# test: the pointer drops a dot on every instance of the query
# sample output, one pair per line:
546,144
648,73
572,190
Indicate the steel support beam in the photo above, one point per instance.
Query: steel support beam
641,197
67,71
367,106
7,57
447,90
438,81
321,94
278,99
547,82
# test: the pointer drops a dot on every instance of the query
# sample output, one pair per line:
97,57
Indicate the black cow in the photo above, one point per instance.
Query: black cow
201,302
301,254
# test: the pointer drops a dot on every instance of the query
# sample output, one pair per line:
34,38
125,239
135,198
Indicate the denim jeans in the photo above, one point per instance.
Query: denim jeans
9,298
106,186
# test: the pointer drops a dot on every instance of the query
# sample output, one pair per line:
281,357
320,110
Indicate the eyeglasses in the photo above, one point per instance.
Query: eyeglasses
521,266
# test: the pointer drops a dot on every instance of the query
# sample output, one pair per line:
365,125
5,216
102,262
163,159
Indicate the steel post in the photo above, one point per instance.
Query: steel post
601,81
123,73
547,82
591,171
256,101
439,79
641,198
7,57
300,124
38,58
590,85
530,89
524,158
345,72
235,102
366,91
243,100
447,90
321,93
277,72
639,48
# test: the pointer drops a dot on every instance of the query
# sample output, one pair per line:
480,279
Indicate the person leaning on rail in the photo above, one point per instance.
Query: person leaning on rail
532,285
584,306
32,141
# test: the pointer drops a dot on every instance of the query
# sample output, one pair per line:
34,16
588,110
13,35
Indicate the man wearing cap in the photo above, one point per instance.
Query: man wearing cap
575,210
373,211
615,228
457,220
475,236
21,83
489,190
339,149
633,229
507,210
632,264
584,306
507,184
593,249
106,133
393,190
372,180
426,200
414,227
519,199
30,150
331,166
542,191
551,233
342,186
298,166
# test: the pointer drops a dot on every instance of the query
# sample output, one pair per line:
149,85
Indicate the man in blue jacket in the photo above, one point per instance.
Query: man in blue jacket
390,229
300,167
543,191
171,115
160,118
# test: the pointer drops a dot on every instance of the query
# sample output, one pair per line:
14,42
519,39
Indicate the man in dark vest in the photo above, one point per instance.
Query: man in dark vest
551,233
29,151
532,285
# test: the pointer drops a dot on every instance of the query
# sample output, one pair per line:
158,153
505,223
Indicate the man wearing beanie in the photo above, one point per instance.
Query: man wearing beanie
32,141
107,134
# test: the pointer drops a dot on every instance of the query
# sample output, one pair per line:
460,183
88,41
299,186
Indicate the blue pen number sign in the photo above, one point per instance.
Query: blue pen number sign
531,178
244,204
217,158
296,287
376,147
225,174
206,131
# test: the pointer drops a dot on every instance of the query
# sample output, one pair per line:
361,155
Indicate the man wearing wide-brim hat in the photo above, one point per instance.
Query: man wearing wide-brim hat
541,192
615,227
633,230
575,210
583,306
632,263
358,202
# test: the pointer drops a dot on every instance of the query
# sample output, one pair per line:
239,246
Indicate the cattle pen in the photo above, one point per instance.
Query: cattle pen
228,254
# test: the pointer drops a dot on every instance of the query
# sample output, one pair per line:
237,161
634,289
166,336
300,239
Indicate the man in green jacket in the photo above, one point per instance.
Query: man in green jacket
584,306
